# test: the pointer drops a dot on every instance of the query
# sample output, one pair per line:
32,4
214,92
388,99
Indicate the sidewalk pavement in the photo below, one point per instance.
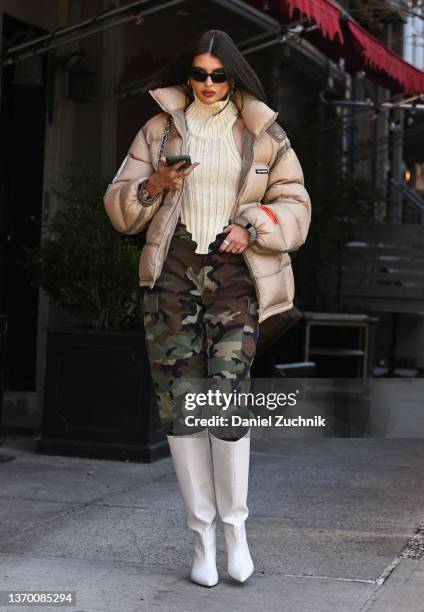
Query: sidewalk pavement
331,527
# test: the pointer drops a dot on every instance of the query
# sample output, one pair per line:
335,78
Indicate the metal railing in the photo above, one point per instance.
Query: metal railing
413,203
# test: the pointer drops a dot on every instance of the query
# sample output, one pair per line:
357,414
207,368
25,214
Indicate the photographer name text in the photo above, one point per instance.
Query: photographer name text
268,421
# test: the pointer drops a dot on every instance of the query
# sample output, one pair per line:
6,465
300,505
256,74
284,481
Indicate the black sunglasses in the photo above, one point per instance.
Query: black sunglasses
198,74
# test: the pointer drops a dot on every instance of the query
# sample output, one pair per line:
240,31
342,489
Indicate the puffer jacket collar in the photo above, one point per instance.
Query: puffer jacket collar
257,115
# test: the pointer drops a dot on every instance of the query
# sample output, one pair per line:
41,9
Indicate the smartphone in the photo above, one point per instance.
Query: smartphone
173,159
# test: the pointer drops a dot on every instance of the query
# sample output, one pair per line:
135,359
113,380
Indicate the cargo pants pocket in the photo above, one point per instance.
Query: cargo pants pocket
152,332
173,354
232,349
232,331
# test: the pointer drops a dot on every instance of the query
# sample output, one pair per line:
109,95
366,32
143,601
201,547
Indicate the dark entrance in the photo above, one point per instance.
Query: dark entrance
22,130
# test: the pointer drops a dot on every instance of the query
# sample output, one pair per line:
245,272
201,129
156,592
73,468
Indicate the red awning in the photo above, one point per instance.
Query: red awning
341,36
378,57
325,14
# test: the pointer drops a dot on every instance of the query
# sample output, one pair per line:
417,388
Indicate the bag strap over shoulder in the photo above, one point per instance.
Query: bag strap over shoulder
164,139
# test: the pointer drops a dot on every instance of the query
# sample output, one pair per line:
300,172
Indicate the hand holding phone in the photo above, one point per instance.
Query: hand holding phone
171,176
171,160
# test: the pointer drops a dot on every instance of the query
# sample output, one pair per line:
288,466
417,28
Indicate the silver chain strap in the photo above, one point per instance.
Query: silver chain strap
164,139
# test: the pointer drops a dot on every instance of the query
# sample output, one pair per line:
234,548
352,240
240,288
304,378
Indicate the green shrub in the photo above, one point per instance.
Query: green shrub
86,266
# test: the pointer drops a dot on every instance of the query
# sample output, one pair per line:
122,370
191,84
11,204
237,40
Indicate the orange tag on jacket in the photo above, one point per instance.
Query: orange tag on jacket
270,213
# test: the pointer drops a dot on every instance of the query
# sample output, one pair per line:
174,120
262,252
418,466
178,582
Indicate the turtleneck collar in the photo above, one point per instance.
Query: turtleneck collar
200,109
257,115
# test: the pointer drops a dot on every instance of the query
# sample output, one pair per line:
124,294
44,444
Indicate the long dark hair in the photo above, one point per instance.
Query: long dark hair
221,45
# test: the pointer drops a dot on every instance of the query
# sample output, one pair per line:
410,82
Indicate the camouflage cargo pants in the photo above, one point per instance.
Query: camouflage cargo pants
200,320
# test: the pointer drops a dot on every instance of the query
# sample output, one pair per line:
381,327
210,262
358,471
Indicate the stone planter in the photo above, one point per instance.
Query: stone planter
98,397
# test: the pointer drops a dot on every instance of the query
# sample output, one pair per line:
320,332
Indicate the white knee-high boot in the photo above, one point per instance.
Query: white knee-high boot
193,466
231,476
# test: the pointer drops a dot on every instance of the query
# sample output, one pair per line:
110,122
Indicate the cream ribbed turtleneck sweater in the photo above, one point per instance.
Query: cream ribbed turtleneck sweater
211,189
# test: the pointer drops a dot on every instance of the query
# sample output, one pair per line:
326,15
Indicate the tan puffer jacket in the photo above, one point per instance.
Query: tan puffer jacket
271,197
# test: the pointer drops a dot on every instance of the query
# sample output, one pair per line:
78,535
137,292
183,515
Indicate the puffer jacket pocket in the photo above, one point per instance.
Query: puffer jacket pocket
264,264
273,289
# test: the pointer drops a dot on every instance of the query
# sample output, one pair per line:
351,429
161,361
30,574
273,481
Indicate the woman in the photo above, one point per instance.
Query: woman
215,263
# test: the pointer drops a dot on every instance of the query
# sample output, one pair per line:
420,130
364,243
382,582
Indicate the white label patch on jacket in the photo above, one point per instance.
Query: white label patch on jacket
261,170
